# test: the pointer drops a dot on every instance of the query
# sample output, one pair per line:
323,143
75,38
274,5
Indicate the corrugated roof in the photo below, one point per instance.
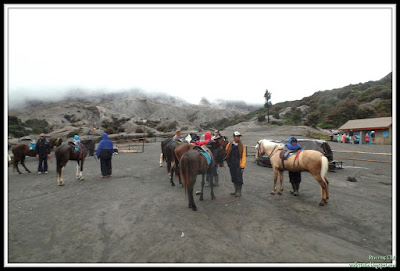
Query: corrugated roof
365,124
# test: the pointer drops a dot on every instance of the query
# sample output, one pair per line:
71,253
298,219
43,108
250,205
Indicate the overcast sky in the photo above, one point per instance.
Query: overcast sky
234,52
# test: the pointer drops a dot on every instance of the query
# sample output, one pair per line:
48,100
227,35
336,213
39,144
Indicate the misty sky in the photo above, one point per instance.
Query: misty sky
232,52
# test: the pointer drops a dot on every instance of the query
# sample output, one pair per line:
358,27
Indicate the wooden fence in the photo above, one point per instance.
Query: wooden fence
251,151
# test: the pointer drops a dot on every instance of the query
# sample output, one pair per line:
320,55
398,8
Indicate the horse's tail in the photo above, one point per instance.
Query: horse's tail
184,172
324,167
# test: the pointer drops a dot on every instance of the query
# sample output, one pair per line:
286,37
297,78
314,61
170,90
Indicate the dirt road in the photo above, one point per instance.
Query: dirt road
136,216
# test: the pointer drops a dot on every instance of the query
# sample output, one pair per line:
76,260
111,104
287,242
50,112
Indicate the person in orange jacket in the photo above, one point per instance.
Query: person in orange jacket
236,158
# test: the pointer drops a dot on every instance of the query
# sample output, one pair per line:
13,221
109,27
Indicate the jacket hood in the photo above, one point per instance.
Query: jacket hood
207,136
104,136
76,137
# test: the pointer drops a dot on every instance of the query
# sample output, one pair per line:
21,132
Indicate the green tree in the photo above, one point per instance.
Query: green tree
268,103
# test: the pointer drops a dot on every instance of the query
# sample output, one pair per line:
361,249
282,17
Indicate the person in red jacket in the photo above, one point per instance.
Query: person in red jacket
206,141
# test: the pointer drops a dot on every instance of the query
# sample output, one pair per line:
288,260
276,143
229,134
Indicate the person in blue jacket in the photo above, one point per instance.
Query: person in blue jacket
104,152
294,177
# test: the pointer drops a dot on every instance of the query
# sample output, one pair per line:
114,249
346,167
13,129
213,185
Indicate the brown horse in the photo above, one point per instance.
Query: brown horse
178,152
20,151
68,152
312,161
193,163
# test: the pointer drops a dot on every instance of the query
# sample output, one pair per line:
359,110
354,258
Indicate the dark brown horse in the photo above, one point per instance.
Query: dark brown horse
69,152
167,154
193,163
55,142
20,151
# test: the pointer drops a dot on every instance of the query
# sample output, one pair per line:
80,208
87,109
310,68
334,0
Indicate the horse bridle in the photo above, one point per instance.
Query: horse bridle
272,152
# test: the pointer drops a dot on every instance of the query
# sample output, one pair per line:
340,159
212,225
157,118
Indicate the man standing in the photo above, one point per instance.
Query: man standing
104,152
42,152
236,158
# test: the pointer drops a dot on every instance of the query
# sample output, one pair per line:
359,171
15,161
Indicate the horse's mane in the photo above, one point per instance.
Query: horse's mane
269,143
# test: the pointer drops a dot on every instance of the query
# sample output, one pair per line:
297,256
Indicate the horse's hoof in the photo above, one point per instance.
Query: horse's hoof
279,193
172,184
60,184
321,204
272,193
194,208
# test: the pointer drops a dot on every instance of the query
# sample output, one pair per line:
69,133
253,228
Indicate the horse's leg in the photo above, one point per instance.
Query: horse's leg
202,186
275,179
77,170
16,165
191,181
161,160
281,179
324,186
327,189
23,164
212,185
81,170
59,176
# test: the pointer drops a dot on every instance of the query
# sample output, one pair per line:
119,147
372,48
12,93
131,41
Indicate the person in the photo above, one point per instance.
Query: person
32,145
105,151
343,140
372,137
217,134
42,152
366,138
207,140
236,158
338,136
294,177
178,136
351,135
331,134
76,139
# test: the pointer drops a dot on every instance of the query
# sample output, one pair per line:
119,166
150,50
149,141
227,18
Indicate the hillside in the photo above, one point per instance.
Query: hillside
327,109
121,112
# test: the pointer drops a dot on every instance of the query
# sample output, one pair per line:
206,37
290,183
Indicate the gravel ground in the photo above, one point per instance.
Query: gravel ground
136,217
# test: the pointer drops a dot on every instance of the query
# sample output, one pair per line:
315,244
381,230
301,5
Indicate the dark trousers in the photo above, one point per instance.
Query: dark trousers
295,177
236,175
105,165
42,164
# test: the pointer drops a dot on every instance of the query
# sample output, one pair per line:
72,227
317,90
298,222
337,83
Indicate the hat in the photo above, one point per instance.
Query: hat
76,137
236,133
41,134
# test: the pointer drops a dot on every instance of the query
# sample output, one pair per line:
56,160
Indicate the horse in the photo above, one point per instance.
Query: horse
167,154
67,152
312,161
20,151
193,163
178,152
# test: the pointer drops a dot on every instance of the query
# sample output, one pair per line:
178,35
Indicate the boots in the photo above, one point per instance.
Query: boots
236,189
239,192
216,181
295,187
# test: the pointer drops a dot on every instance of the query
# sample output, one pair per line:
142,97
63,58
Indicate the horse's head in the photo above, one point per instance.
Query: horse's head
266,147
218,153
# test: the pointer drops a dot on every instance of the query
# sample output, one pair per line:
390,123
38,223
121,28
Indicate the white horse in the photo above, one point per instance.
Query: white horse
312,161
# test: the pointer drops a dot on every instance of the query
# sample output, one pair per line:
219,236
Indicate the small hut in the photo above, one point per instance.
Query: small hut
382,127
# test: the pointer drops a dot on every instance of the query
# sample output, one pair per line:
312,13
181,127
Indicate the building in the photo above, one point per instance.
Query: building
381,126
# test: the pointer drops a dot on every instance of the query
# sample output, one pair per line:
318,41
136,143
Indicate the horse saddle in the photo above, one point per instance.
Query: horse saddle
285,154
206,152
78,146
